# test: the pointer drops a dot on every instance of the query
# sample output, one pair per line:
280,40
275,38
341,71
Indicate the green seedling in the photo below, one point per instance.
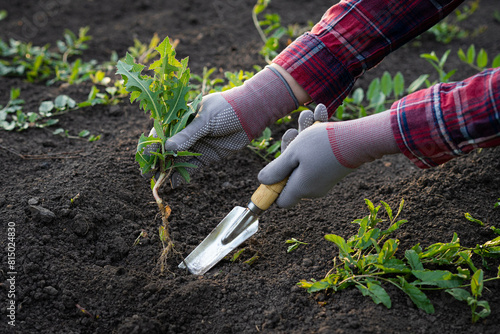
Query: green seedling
477,60
74,198
252,260
472,219
438,64
294,244
165,97
271,31
3,14
262,146
141,236
368,261
497,204
237,255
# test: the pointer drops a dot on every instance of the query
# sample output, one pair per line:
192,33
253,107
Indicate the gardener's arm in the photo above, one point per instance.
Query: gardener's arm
430,127
323,65
352,37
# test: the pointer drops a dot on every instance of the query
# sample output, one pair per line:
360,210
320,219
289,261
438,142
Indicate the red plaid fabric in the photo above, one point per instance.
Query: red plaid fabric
352,37
434,125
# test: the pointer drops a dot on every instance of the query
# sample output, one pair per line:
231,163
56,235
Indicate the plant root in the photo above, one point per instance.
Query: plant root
167,244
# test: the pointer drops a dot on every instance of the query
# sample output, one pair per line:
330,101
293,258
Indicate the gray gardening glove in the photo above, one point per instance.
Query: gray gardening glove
228,121
323,154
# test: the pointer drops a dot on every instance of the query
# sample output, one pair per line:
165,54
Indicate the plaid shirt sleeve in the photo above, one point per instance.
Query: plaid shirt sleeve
352,37
434,125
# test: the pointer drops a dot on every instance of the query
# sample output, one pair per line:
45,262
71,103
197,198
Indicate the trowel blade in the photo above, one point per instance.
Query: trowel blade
239,225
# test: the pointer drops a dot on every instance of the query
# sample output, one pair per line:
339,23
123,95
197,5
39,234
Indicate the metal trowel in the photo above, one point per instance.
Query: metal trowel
239,225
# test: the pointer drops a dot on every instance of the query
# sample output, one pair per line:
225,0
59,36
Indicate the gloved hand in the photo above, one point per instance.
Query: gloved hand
228,121
322,154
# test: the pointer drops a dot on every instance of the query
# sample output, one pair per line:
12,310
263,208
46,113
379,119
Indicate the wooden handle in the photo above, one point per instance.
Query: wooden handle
265,195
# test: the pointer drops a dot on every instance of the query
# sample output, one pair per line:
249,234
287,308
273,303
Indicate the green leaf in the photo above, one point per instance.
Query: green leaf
387,209
476,283
345,250
415,85
373,89
184,173
46,107
482,59
393,266
413,260
472,219
387,251
395,226
399,85
133,83
440,278
471,54
461,55
84,133
386,84
184,164
417,296
319,286
496,61
459,294
358,95
187,154
376,292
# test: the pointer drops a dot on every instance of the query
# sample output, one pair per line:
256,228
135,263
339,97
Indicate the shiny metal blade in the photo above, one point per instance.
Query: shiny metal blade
239,225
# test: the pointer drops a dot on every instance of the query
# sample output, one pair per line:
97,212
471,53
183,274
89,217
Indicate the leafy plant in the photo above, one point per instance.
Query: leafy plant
165,97
438,64
368,261
294,244
262,146
271,30
477,60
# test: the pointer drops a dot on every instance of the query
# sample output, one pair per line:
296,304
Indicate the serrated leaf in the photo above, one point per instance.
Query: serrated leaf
148,99
417,296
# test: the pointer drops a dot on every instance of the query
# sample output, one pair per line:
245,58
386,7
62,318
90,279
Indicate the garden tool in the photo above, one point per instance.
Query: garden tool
239,225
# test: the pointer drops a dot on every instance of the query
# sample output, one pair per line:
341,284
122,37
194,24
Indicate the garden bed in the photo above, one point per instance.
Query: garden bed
79,206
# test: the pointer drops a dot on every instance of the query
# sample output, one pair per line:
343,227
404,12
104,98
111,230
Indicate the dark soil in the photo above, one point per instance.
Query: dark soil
82,256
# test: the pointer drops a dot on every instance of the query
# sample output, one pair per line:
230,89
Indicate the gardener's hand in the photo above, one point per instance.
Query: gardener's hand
228,121
321,155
